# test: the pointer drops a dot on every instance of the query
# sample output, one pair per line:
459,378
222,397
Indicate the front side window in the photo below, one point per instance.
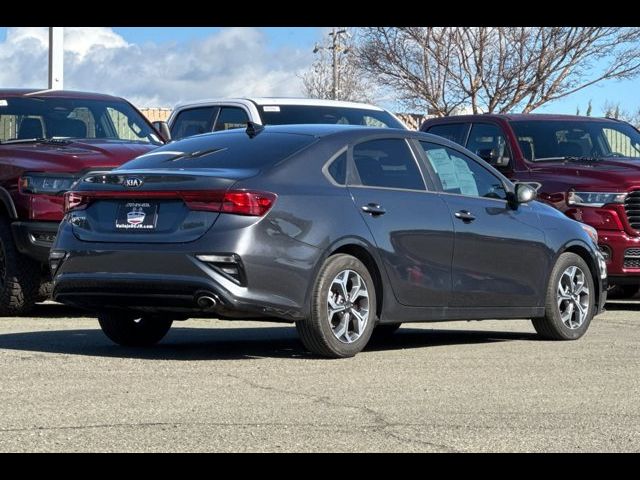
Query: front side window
231,117
25,118
387,163
487,140
459,174
454,132
193,121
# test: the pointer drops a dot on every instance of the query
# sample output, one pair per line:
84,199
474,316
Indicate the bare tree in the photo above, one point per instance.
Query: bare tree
495,69
352,86
613,110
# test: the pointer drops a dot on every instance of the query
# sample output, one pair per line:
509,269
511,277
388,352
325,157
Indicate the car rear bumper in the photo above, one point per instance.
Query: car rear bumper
34,239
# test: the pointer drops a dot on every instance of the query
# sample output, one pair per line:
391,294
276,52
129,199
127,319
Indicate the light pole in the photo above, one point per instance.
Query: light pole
336,48
56,58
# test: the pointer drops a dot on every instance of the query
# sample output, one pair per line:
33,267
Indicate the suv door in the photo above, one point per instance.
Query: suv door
497,249
411,226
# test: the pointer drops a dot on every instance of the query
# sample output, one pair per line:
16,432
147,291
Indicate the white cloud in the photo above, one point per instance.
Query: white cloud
231,62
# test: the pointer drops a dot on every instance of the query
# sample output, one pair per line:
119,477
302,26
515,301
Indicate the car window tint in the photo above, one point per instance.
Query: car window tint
338,169
192,121
231,117
462,175
387,163
298,114
451,131
485,136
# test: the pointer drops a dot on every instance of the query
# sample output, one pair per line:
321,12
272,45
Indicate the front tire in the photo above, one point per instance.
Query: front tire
19,276
131,331
570,301
343,309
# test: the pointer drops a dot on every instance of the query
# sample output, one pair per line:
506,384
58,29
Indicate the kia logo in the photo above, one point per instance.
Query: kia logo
133,182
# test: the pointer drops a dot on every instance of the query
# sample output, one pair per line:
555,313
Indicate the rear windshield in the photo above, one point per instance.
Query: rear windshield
297,114
223,150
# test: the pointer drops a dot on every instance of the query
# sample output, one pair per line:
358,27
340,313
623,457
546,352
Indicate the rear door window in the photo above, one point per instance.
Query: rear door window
387,163
231,117
193,121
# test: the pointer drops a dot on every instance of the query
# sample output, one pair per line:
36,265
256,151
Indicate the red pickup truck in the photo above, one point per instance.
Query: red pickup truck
48,140
587,167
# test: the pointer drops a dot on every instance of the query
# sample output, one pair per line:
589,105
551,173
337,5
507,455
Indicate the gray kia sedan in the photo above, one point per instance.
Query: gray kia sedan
339,229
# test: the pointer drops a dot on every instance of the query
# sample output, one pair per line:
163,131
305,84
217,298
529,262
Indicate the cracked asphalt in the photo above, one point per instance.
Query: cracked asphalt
247,386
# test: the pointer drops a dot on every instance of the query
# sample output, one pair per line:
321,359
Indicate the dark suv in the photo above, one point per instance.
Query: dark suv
48,140
587,167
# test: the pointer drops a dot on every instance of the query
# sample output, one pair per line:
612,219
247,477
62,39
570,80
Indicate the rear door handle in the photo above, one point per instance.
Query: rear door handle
465,216
374,209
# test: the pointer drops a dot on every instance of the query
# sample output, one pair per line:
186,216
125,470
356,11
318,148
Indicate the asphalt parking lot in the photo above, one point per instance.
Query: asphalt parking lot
249,386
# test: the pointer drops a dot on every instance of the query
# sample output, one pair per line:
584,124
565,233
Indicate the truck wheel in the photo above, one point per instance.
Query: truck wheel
343,309
131,331
19,276
45,290
570,300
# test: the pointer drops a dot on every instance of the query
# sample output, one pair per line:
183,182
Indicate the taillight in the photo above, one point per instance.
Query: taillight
238,202
74,201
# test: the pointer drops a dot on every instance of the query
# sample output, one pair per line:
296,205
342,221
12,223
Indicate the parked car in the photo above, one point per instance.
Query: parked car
48,140
586,167
380,226
204,116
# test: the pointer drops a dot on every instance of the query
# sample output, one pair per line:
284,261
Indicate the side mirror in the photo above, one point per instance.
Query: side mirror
490,155
524,193
163,130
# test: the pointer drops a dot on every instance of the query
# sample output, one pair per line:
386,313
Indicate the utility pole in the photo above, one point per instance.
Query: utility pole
336,48
56,58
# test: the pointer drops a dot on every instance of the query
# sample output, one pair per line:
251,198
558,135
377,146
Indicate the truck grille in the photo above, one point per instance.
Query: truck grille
632,208
632,258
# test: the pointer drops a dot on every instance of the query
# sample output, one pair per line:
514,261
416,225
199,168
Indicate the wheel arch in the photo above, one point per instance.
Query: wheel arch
583,252
7,207
361,250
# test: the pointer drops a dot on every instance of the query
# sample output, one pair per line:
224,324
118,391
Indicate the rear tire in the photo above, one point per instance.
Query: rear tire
19,276
570,301
345,331
131,331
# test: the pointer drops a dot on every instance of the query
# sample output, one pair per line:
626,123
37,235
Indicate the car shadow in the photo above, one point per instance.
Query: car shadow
233,343
622,305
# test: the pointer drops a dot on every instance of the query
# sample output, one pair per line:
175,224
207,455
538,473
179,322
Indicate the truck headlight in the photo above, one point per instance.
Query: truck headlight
46,183
594,199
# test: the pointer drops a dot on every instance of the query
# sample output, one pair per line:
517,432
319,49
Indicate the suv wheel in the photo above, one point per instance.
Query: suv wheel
570,300
19,276
131,331
343,309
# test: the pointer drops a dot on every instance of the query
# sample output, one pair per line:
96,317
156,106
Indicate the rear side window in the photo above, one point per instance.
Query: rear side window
192,121
387,163
297,114
451,131
338,169
224,150
231,117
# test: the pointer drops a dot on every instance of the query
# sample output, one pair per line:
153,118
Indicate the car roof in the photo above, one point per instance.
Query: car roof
282,101
541,117
35,92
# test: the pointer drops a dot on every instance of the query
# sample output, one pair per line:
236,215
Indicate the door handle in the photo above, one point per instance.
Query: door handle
465,216
374,209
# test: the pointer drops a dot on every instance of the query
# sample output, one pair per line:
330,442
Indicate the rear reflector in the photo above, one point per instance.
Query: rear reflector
238,202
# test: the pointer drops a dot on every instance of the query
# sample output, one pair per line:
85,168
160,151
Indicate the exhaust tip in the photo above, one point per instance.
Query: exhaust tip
206,302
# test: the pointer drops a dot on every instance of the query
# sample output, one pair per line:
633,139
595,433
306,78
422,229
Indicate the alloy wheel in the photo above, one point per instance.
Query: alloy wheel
348,306
573,297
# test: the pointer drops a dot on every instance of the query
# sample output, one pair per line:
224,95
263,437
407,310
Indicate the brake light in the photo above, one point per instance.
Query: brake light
238,202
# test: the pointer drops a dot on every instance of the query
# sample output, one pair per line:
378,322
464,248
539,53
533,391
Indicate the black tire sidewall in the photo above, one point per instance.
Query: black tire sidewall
553,316
333,266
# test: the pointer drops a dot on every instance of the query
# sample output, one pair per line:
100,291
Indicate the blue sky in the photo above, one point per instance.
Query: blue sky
184,63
